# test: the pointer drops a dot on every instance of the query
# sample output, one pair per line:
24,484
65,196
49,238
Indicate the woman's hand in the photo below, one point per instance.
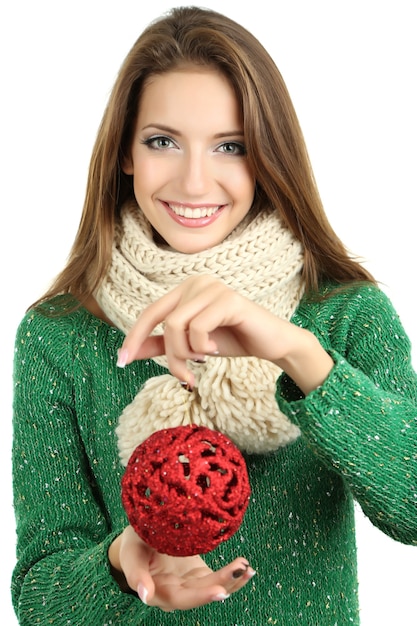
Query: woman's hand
203,316
170,582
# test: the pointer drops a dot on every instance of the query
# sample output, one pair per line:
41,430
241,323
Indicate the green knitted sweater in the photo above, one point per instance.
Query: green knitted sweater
358,441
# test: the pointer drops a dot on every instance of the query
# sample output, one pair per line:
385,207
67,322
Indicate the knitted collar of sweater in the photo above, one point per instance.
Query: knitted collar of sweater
235,395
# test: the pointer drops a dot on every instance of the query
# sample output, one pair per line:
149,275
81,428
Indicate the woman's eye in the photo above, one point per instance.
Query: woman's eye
159,142
232,148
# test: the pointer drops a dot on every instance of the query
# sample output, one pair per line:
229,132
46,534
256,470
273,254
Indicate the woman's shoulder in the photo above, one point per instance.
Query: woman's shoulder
58,312
55,334
357,317
366,304
57,321
360,295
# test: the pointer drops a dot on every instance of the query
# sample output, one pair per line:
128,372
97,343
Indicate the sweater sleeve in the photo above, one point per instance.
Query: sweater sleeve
362,421
62,574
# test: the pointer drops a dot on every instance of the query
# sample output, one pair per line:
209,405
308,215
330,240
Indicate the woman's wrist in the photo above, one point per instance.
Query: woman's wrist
116,571
308,365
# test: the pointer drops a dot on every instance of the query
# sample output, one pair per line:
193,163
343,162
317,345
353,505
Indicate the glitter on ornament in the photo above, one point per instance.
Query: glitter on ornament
185,490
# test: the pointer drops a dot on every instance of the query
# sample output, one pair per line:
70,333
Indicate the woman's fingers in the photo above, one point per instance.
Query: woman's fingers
173,582
138,343
188,315
170,595
202,316
196,590
231,577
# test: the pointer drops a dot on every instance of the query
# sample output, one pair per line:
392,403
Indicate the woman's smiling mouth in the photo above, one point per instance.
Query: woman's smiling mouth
187,215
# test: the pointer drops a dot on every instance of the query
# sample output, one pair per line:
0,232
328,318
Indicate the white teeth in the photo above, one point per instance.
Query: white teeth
205,211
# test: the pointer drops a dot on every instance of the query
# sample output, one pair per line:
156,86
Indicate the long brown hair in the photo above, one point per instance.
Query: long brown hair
274,142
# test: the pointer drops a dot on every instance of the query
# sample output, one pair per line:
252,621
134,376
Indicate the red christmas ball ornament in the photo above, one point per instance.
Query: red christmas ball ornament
185,490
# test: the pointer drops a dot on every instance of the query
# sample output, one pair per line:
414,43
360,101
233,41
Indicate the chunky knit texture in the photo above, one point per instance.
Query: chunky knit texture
228,389
358,440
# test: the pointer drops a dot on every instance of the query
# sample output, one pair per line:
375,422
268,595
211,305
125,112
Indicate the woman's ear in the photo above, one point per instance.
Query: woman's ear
127,165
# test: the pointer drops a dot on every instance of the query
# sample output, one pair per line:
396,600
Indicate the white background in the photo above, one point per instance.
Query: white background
350,67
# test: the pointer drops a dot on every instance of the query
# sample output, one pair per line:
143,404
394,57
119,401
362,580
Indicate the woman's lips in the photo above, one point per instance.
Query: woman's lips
194,216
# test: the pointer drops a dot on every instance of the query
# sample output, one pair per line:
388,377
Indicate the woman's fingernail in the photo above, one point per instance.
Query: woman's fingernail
220,597
122,357
142,593
186,385
241,570
199,360
238,573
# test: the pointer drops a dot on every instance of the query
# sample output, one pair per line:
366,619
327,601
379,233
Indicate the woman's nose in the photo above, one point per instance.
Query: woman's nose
196,174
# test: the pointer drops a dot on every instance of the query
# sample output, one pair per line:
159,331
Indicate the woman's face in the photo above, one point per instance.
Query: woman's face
188,160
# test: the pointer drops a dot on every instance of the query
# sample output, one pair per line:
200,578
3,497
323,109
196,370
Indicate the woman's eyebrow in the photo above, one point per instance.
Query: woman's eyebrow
173,131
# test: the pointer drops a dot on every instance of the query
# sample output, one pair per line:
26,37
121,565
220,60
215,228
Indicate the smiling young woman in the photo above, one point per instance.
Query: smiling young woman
206,285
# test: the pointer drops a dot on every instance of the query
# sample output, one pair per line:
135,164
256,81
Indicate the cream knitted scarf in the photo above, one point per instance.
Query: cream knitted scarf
260,259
